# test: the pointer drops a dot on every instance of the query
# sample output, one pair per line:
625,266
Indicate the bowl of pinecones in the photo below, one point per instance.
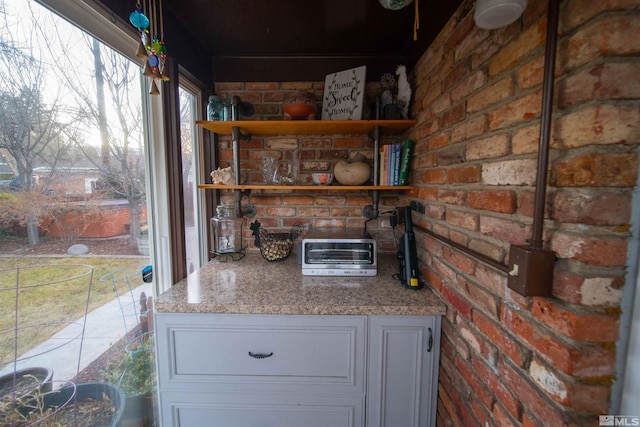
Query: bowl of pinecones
274,246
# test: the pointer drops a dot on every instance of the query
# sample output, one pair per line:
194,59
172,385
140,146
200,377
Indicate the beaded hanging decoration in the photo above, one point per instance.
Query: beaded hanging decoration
152,47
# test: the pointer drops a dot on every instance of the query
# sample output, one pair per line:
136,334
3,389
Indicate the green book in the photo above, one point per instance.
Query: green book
407,149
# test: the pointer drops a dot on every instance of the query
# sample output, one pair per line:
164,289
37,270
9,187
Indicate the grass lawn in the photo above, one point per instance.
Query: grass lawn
50,293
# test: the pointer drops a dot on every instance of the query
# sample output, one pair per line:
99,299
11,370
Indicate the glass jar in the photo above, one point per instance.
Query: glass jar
226,230
214,108
227,110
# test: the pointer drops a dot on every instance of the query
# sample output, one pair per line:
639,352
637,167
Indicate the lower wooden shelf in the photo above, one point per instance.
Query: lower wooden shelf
307,187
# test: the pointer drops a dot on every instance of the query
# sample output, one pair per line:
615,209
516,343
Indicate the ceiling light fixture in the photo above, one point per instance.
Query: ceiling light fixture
492,14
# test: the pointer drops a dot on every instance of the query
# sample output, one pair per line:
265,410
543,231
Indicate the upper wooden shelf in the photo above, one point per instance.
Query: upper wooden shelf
308,127
305,187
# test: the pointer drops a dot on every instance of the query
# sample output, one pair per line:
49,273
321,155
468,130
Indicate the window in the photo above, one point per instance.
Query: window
77,125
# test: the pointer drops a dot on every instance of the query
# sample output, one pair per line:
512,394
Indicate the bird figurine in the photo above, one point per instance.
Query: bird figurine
404,90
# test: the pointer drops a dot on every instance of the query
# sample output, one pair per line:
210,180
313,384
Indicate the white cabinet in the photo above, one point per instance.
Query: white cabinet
404,354
297,370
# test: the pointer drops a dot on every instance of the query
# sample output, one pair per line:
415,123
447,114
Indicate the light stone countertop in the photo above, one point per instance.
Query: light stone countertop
256,286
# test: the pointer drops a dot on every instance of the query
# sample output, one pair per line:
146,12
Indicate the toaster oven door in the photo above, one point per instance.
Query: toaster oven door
340,254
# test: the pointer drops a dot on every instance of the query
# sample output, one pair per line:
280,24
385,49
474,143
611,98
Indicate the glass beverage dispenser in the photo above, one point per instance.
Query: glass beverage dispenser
226,230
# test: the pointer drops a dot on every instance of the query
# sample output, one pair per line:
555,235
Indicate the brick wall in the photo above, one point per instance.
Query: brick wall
506,359
279,210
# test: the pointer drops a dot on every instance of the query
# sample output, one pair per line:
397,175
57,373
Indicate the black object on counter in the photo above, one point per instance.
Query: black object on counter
407,255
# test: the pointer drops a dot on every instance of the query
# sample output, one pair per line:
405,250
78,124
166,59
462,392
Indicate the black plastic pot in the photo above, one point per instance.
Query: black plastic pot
138,407
42,374
89,390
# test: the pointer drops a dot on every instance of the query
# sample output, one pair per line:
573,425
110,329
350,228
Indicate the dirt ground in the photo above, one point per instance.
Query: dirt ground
107,246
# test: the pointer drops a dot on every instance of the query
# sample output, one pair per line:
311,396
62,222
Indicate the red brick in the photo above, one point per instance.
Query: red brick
496,201
447,404
519,110
494,381
428,194
463,262
529,40
510,172
526,202
438,141
266,200
469,85
529,396
436,176
453,115
591,291
313,212
470,128
457,301
499,337
602,251
584,361
348,142
447,274
601,81
526,140
587,44
331,200
451,197
486,148
490,279
601,125
451,155
259,86
531,74
462,219
580,325
481,347
502,418
490,95
603,208
329,222
464,174
505,230
297,200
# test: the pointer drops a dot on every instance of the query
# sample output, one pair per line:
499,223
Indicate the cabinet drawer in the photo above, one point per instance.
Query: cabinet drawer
241,410
231,351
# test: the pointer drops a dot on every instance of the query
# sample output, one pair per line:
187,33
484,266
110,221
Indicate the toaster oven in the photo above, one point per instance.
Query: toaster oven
338,252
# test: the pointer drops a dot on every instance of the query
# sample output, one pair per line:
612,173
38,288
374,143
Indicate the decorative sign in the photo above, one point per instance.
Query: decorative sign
344,94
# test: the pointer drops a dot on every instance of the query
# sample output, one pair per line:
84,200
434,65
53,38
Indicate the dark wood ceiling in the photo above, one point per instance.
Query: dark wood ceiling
302,40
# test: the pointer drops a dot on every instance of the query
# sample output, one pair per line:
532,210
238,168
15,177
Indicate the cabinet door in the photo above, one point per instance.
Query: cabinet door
260,410
403,371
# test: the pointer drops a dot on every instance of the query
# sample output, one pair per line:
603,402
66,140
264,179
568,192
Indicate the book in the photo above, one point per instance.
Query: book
397,154
405,162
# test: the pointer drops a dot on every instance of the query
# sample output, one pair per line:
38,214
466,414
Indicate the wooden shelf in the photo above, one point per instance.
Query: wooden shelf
307,187
308,127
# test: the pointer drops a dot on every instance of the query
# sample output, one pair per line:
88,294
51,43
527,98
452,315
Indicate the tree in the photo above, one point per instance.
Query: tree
109,102
31,132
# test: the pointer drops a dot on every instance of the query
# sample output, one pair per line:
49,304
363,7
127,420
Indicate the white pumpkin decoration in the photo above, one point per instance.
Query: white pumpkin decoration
351,173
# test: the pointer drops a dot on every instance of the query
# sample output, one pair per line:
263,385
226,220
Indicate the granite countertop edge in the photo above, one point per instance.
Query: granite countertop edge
255,286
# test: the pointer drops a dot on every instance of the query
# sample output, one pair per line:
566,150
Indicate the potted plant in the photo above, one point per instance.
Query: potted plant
80,405
23,379
134,374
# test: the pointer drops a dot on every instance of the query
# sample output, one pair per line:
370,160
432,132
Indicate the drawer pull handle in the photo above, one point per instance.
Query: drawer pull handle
260,355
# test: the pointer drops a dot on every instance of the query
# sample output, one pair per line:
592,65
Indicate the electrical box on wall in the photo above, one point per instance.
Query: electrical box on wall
531,271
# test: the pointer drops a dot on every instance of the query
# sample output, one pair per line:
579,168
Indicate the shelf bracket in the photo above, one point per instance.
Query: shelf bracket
375,195
236,135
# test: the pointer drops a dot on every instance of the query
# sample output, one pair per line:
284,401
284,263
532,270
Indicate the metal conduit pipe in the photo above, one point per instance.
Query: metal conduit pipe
530,270
545,123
